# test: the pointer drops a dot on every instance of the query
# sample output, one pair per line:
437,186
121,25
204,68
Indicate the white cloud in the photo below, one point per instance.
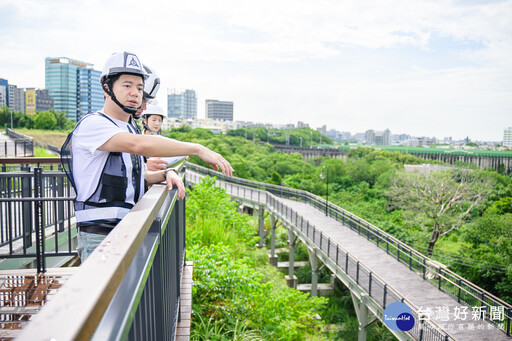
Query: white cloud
406,65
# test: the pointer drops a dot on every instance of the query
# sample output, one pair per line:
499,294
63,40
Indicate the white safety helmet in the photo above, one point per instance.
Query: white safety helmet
153,109
152,83
117,64
121,63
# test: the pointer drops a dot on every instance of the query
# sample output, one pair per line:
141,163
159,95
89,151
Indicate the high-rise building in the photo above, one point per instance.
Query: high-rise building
219,110
30,101
12,96
507,137
19,100
4,92
43,100
74,86
181,103
379,138
90,91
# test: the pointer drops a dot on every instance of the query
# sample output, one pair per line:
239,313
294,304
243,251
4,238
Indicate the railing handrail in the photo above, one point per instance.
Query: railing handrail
29,160
76,310
361,222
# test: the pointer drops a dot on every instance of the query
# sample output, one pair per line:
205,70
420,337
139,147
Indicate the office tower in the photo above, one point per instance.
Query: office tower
43,100
379,138
4,92
19,100
74,86
507,137
11,103
219,110
30,101
181,103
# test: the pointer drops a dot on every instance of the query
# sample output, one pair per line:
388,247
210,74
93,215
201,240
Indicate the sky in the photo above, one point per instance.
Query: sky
425,68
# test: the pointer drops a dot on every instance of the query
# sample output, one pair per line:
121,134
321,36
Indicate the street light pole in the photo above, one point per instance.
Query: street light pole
311,145
326,176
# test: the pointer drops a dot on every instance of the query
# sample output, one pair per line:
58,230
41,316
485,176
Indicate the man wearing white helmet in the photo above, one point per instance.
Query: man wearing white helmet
106,167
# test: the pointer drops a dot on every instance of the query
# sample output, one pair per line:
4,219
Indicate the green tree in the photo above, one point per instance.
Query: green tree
439,202
488,254
45,120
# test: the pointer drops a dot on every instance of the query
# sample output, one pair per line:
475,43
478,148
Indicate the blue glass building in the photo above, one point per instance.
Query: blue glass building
74,86
182,104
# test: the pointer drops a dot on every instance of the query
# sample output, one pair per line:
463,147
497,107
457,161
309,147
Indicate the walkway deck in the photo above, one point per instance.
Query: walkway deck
404,281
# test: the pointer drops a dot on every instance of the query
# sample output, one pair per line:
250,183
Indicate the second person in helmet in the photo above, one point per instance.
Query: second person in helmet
152,119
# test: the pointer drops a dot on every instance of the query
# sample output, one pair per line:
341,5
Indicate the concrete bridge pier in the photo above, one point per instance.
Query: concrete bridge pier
313,260
261,226
272,258
361,309
291,279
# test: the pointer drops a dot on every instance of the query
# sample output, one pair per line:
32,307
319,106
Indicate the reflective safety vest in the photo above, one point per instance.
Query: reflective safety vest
107,205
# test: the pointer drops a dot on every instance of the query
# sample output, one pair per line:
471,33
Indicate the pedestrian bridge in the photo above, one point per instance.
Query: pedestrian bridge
376,267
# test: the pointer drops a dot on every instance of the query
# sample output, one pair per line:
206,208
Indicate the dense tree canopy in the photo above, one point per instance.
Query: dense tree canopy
48,120
361,185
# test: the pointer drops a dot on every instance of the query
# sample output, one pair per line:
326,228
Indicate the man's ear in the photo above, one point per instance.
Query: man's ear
105,90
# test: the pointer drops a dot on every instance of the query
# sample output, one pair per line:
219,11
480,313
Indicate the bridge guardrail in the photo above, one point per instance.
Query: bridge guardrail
446,280
129,287
35,205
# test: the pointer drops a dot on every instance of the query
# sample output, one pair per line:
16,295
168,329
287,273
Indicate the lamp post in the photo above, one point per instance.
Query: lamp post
326,176
301,141
311,144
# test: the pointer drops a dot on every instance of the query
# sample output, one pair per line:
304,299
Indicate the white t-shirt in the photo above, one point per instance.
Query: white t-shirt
88,161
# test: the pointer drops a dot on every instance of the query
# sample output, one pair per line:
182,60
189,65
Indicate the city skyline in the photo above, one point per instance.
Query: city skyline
428,69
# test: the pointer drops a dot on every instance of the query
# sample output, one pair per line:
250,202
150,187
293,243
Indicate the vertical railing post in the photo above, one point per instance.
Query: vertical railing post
60,204
440,271
410,259
458,294
384,296
508,321
40,239
26,192
370,284
357,272
157,269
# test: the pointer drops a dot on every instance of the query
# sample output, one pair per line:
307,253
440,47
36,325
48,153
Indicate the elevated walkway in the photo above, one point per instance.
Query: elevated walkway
398,276
377,268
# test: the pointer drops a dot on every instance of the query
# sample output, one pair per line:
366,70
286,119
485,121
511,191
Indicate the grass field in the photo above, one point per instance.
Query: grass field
46,137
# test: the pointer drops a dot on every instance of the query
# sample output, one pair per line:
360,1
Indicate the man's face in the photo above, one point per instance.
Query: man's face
128,90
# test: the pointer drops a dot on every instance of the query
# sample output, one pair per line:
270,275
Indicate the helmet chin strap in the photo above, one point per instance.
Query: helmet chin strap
129,110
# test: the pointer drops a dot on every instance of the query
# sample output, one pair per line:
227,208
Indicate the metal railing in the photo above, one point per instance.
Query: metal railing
19,145
129,287
18,148
35,206
444,279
